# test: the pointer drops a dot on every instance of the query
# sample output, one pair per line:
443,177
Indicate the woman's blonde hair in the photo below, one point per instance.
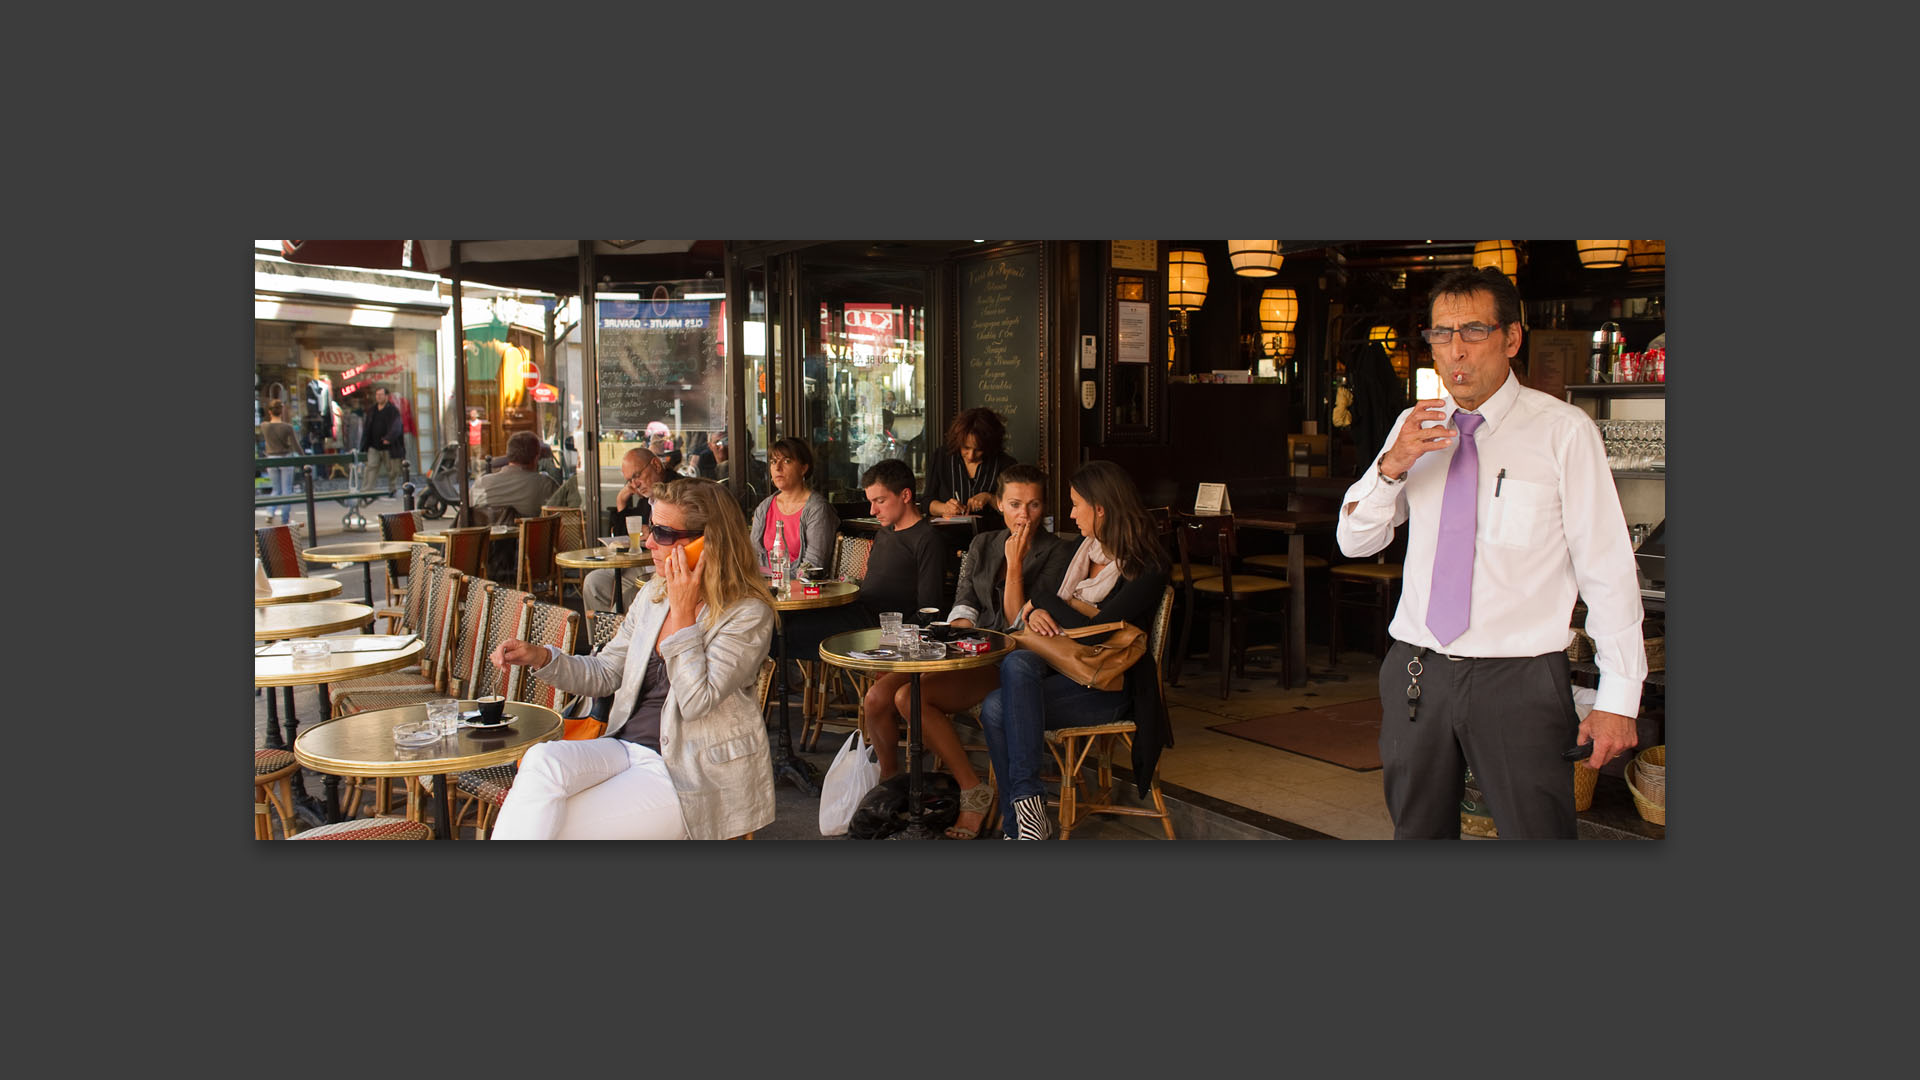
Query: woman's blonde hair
729,567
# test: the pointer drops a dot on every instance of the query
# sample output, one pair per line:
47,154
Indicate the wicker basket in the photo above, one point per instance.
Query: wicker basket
1581,647
1657,654
1584,781
1655,812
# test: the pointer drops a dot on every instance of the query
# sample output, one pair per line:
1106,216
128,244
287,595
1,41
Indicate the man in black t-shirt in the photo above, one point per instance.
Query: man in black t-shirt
906,569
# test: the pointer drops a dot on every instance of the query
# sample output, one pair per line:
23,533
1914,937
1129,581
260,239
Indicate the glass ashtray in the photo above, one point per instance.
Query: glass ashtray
416,733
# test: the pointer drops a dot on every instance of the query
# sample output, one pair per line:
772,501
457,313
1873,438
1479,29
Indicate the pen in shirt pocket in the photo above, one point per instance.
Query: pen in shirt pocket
1497,482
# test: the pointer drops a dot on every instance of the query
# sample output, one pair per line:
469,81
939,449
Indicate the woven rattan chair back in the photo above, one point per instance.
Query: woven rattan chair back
467,550
443,612
960,575
506,619
413,613
850,558
469,634
279,556
573,526
538,535
547,624
602,626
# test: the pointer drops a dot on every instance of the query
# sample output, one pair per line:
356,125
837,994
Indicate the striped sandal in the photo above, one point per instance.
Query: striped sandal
977,799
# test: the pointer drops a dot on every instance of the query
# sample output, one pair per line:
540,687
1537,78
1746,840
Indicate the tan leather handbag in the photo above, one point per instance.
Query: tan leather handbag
1098,667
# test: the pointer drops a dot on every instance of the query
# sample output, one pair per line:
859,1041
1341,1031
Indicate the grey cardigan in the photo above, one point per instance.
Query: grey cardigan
818,523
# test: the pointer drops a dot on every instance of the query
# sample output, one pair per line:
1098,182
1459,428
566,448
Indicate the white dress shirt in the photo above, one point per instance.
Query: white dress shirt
1547,532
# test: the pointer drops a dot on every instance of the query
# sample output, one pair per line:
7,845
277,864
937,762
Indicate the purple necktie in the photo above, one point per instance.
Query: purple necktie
1451,592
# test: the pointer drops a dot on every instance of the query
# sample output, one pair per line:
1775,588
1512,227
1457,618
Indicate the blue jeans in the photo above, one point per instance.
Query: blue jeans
1032,699
283,484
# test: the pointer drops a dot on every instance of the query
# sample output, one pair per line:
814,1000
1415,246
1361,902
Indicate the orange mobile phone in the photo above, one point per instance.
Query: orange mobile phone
693,551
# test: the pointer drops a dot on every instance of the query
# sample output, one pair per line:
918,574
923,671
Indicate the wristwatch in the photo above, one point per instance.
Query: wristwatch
1385,479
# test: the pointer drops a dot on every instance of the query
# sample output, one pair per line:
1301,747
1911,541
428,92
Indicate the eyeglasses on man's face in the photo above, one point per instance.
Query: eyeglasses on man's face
1473,331
667,537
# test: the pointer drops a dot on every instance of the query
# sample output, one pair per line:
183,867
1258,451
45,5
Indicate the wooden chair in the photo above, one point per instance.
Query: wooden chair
398,528
1181,577
573,537
1071,746
279,555
484,790
822,684
467,550
377,828
1213,534
535,565
1381,581
273,773
1277,564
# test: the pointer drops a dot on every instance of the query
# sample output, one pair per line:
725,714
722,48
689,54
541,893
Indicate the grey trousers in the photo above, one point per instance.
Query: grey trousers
1509,717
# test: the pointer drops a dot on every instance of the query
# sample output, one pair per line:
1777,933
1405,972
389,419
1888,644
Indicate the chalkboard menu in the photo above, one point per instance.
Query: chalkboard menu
1000,334
653,354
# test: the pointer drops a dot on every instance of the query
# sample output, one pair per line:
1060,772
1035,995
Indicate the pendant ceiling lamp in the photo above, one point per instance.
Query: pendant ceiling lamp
1278,309
1601,254
1502,255
1278,343
1383,335
1254,258
1645,255
1186,279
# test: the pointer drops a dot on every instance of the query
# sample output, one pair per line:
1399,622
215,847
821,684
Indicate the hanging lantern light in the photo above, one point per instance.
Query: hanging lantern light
1186,279
1254,258
1645,255
1502,255
1601,254
1277,343
1278,309
1383,335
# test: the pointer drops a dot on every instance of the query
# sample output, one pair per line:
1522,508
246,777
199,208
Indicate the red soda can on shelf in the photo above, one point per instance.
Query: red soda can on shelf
1659,364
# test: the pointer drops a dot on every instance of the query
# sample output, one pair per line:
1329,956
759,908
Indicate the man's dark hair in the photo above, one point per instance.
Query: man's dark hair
1019,474
1486,279
892,474
523,448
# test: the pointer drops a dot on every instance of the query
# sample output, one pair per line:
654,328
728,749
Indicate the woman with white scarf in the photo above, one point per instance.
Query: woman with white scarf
1119,573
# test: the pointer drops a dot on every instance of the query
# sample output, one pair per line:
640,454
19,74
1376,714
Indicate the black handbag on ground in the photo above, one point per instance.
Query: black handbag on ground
883,809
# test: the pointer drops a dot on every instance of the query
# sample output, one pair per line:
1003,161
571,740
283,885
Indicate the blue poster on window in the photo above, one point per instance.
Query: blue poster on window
654,314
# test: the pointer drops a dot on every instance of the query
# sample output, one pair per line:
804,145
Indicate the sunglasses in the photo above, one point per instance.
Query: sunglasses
664,535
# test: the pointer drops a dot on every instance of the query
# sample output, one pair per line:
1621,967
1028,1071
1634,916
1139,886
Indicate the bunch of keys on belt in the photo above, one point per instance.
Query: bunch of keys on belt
1414,668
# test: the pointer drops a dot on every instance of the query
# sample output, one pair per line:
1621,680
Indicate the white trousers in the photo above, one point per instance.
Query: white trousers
591,789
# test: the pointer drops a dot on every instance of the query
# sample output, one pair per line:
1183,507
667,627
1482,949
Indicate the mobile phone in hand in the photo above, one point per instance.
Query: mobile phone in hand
693,551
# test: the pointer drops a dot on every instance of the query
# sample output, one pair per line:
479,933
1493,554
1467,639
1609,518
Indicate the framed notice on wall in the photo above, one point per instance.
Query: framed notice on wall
1556,358
1135,342
1136,254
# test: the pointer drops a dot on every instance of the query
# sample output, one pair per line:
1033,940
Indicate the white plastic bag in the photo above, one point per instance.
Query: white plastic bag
854,771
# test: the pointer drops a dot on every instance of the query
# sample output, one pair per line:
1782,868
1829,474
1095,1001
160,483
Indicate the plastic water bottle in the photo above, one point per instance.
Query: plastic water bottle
779,559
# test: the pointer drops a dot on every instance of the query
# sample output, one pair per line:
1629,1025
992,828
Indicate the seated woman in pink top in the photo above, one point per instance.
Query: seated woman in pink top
803,516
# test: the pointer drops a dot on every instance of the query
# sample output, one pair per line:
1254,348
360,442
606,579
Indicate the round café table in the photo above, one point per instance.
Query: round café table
362,745
786,764
308,620
271,671
838,649
297,590
365,554
602,558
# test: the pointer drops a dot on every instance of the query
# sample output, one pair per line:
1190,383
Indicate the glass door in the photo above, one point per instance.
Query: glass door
863,337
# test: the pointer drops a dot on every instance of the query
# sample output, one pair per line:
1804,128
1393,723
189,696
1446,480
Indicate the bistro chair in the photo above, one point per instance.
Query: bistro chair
536,567
467,549
279,555
445,589
273,773
1213,535
573,537
1071,747
377,828
1372,584
540,623
822,683
1277,563
1181,576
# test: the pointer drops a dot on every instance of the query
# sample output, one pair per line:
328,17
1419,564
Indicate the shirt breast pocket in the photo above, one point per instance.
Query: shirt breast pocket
1522,513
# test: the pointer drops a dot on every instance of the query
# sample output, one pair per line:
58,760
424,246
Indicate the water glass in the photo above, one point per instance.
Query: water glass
444,715
890,628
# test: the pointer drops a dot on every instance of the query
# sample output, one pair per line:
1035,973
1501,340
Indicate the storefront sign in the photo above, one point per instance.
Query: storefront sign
654,314
872,325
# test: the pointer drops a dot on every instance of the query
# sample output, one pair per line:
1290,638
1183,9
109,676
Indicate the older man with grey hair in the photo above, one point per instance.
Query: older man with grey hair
641,470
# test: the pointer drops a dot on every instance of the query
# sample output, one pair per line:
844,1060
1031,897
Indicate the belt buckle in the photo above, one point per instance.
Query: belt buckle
1455,659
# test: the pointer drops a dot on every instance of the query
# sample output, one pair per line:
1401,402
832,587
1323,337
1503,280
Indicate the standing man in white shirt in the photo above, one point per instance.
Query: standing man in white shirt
1511,516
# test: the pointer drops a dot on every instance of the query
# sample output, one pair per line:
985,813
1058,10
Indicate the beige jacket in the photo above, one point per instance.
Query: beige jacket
713,738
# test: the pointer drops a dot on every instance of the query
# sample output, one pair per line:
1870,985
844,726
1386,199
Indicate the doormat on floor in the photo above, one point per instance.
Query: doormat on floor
1346,735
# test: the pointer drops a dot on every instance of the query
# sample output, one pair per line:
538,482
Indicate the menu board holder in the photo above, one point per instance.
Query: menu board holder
1002,330
1213,499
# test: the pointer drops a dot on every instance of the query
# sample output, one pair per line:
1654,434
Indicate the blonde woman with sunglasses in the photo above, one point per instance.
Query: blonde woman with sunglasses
684,755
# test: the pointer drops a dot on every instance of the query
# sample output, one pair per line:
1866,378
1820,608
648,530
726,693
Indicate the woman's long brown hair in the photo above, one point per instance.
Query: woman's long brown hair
1128,534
